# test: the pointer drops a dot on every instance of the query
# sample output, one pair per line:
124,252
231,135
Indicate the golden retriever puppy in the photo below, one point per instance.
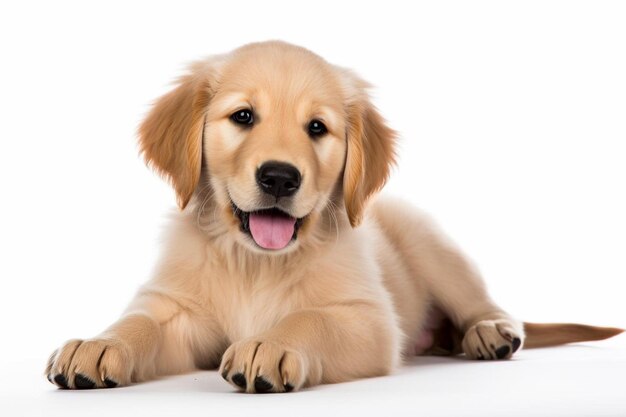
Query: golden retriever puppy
281,268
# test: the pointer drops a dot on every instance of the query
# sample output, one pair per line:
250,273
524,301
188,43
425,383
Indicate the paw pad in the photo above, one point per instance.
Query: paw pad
502,351
261,385
240,380
61,381
516,344
82,382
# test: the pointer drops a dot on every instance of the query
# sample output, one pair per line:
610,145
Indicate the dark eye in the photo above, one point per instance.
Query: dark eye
317,128
242,117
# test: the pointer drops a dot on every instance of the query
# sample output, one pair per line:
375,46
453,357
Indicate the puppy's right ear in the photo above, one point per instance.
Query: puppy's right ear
170,138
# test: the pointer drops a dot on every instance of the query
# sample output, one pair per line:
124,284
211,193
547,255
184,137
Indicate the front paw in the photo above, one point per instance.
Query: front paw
96,363
492,339
263,366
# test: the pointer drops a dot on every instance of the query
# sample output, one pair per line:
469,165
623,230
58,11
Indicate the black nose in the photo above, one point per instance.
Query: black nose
278,179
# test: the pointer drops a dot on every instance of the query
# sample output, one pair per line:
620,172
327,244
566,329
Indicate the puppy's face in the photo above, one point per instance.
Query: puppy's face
273,136
274,144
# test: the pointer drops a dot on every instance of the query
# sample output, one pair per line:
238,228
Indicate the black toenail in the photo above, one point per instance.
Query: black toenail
225,375
82,382
61,381
288,387
516,344
239,380
110,383
502,351
261,385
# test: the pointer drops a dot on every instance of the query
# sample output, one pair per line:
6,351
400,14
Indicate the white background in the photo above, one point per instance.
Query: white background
512,119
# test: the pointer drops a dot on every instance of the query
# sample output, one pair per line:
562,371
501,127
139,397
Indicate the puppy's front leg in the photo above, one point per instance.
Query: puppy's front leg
118,356
328,344
154,337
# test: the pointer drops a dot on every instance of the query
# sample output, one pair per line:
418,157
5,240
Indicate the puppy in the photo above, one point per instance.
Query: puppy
281,268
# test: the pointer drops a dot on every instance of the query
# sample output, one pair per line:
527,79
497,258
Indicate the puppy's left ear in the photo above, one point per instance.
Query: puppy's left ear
371,152
170,138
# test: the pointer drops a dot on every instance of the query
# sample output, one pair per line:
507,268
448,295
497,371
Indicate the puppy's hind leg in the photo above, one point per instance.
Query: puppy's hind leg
459,291
454,285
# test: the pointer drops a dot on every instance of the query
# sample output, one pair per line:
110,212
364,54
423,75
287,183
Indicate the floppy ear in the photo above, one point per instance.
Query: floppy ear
370,152
170,137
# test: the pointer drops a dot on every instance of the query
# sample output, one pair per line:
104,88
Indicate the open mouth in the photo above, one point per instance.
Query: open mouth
269,228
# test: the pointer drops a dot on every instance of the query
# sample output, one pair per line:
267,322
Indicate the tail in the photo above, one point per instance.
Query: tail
552,334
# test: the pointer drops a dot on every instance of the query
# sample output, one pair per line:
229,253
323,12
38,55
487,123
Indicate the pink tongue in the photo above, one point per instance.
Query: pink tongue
271,231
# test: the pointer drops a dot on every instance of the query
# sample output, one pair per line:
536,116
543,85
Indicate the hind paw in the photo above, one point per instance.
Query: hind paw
492,339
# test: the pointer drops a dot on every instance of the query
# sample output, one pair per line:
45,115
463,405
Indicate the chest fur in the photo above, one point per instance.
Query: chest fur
246,306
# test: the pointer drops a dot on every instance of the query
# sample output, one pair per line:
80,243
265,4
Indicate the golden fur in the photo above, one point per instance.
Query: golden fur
365,283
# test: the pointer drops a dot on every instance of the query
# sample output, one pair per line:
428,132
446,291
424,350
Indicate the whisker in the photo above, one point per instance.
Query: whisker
331,209
203,204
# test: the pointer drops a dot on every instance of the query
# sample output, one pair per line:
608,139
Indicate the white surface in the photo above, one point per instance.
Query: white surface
511,117
577,380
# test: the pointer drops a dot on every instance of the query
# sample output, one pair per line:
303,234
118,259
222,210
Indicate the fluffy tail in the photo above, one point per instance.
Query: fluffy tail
552,334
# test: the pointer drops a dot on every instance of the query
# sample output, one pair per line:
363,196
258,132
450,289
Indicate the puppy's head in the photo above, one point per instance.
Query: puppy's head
274,139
